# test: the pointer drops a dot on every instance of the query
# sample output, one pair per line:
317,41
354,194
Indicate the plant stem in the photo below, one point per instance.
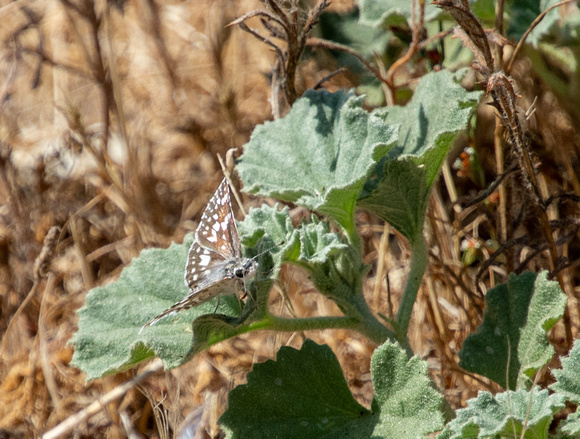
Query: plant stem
418,266
369,325
276,323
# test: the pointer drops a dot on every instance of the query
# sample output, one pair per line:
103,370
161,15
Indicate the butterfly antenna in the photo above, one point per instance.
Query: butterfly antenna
268,250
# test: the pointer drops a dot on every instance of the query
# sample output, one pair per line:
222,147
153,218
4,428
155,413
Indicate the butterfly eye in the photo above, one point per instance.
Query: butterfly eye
239,272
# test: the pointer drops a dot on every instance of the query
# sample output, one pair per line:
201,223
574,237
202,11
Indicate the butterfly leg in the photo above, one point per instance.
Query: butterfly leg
218,304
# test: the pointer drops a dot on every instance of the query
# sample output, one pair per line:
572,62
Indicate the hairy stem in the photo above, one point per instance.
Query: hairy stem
418,266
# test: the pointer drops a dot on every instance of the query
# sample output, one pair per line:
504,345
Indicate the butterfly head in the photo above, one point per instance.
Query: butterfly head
246,269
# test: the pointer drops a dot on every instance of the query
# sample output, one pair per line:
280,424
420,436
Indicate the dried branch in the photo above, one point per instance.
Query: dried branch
418,30
331,45
288,24
78,418
500,87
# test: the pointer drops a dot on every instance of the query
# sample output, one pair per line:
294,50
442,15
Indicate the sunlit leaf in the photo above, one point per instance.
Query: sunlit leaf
318,156
519,414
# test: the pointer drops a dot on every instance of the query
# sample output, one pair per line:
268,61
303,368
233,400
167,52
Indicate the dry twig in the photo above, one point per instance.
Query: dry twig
78,418
287,23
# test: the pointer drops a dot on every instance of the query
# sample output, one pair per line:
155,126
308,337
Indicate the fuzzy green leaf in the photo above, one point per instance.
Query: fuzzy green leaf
266,220
399,187
506,414
318,156
385,13
108,338
267,229
348,30
524,12
570,427
407,404
517,316
303,394
568,377
311,245
317,243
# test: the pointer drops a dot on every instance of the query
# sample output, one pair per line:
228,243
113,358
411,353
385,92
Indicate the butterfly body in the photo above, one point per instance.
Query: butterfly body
215,265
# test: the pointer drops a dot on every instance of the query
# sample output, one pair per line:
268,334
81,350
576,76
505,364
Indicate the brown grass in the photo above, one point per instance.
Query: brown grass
171,82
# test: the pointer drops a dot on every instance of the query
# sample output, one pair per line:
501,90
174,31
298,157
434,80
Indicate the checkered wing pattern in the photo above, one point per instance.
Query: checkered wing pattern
214,263
217,229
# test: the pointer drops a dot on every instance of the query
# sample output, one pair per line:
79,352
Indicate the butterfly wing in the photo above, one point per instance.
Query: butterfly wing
203,294
217,228
215,246
201,263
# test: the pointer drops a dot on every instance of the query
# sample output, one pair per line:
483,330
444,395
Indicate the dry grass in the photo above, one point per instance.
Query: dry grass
174,84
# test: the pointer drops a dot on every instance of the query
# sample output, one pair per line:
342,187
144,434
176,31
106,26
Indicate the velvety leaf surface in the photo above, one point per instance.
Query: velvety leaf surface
507,414
317,156
406,403
568,377
302,394
399,187
517,316
570,427
108,338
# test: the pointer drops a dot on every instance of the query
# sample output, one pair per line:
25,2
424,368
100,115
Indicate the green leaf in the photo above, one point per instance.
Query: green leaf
108,339
311,246
335,268
348,30
263,231
524,12
367,41
401,196
405,400
303,394
507,414
484,10
317,243
318,155
517,316
266,220
399,187
570,427
568,377
385,13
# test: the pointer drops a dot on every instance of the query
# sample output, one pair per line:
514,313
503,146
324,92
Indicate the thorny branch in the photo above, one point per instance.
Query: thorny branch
500,87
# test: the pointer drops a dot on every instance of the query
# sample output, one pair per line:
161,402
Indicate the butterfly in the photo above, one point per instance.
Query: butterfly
215,265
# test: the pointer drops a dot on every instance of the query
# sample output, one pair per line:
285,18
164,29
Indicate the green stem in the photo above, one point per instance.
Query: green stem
345,218
352,234
350,228
276,323
369,325
418,266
